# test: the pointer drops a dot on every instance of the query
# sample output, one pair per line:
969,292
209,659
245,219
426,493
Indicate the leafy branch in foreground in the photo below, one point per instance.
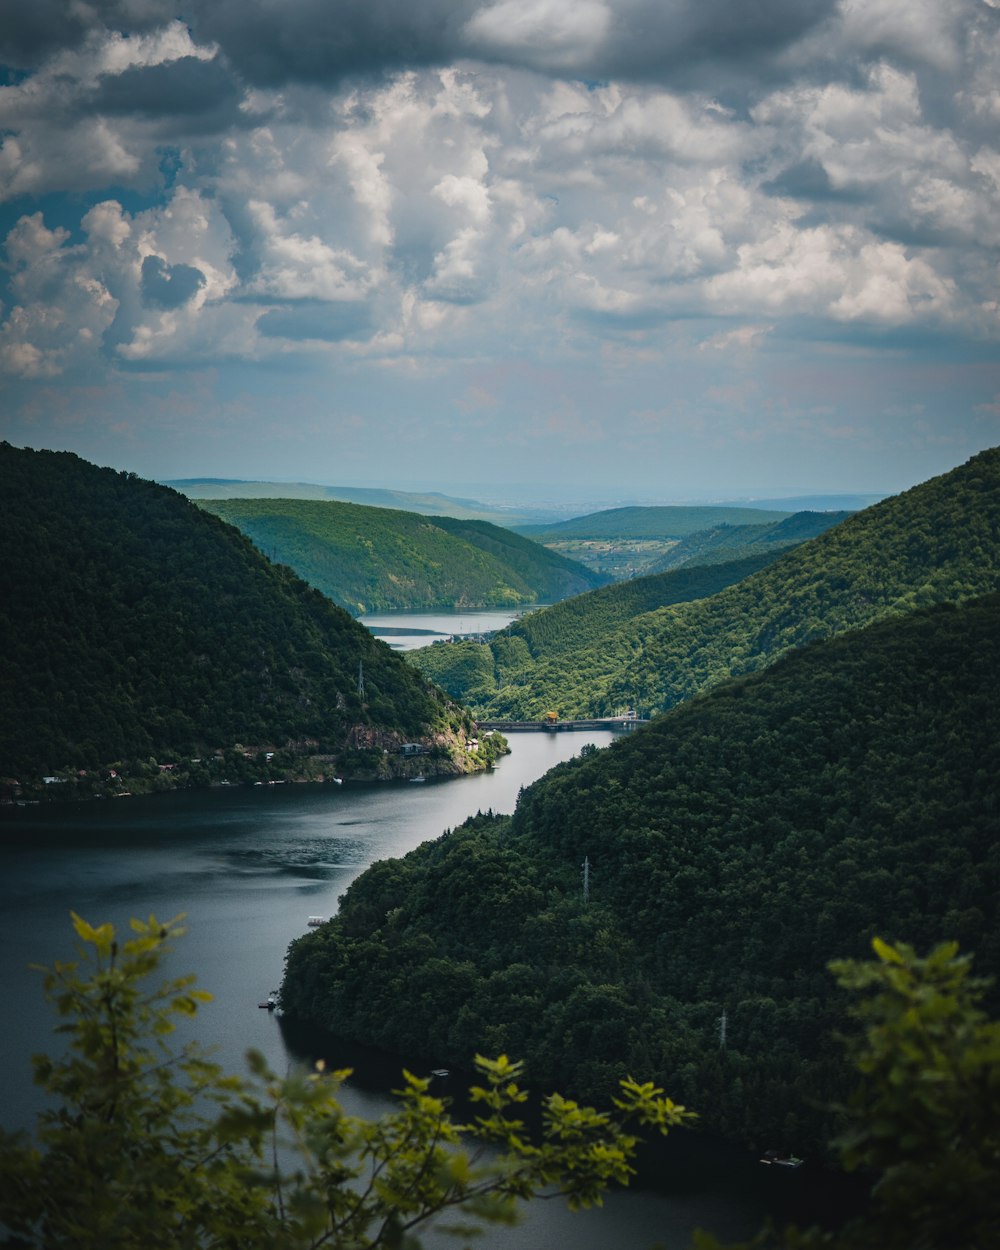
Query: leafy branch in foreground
924,1123
150,1147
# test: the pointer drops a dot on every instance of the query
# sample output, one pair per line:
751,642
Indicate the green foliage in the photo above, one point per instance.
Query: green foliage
143,627
377,559
924,1122
148,1147
927,1116
939,542
559,648
732,843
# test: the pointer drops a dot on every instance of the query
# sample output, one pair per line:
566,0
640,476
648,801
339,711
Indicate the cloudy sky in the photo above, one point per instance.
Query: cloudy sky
657,248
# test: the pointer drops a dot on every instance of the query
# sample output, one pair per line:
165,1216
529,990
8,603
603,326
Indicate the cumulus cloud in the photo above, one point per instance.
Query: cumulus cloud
415,180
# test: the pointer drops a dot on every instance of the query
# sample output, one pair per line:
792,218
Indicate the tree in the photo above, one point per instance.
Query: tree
925,1120
150,1147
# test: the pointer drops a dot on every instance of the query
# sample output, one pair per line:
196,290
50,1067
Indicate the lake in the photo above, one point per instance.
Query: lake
405,630
248,866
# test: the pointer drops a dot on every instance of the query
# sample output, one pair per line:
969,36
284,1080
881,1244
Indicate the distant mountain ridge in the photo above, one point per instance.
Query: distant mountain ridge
142,627
426,503
670,521
378,559
727,542
939,542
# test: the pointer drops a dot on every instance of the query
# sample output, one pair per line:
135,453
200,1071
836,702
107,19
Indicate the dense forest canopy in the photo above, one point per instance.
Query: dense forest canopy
137,625
938,542
851,789
547,648
379,559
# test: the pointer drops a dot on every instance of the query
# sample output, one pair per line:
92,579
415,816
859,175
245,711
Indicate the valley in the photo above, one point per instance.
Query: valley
820,769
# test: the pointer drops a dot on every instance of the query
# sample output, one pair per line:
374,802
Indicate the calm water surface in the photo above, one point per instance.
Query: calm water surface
248,866
405,630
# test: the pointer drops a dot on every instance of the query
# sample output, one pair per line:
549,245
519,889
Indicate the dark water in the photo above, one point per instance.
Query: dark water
248,867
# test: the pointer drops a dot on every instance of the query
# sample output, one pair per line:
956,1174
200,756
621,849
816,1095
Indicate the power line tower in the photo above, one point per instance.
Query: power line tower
361,680
586,879
722,1030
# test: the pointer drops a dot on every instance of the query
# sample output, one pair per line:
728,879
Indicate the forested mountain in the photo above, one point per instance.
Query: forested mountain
136,625
545,646
733,847
378,559
938,542
721,543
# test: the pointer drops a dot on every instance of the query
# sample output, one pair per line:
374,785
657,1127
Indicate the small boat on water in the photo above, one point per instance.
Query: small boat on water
271,1002
774,1159
415,780
315,921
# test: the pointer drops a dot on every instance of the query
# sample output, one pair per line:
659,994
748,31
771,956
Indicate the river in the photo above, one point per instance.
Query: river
248,866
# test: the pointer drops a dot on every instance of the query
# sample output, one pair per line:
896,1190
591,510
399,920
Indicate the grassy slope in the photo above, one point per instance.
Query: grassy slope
378,559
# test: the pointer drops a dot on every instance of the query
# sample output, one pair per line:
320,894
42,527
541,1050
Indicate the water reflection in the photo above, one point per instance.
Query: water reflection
248,867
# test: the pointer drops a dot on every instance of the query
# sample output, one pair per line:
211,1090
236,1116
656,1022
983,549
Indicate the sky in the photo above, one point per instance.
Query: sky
661,249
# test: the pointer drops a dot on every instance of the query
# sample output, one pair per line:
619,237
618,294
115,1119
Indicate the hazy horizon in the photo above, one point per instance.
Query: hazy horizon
658,251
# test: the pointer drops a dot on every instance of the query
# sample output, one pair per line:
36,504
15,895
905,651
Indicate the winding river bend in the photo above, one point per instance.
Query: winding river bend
248,867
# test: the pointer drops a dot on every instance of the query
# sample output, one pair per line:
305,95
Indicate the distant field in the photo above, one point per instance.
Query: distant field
619,558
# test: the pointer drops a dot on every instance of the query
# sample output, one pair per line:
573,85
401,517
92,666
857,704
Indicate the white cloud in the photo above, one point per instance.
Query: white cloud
547,32
416,195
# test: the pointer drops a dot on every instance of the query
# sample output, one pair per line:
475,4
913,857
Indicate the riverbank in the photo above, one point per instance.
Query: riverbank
370,759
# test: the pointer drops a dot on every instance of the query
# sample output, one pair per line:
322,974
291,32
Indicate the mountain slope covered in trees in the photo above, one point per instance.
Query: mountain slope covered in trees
938,542
378,559
138,625
555,640
852,789
722,543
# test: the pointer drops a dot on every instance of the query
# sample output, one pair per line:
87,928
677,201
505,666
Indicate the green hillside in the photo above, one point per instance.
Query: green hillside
542,647
136,626
729,542
938,542
733,847
377,559
623,543
656,522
